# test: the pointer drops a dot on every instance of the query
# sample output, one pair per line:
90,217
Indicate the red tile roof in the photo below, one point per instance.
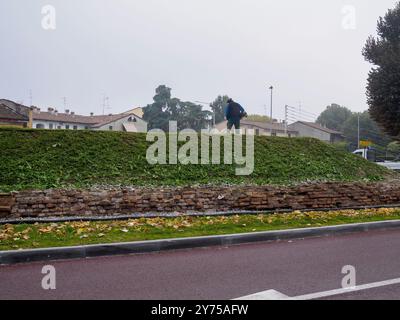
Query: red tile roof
94,121
16,111
10,114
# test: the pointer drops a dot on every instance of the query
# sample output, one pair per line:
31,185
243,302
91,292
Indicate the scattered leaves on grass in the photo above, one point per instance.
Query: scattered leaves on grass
16,236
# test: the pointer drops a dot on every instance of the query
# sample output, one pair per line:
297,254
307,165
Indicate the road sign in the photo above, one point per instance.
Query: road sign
365,143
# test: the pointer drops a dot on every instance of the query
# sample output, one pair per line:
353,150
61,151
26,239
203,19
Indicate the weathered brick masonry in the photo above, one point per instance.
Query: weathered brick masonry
201,199
6,203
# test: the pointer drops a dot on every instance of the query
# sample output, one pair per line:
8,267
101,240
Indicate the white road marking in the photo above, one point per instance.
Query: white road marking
266,295
276,295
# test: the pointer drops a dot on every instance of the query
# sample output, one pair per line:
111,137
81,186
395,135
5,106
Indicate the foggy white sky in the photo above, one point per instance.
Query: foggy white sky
199,48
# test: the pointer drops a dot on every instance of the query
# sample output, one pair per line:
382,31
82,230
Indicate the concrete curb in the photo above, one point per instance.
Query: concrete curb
90,251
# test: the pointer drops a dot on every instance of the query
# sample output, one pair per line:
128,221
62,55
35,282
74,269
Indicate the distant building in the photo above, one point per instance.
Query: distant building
52,120
137,111
297,129
263,128
14,114
314,130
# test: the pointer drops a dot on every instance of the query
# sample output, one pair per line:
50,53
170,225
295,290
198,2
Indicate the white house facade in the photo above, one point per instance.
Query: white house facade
53,120
314,130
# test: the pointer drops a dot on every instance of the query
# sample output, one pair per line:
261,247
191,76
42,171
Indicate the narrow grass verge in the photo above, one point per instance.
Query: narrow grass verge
24,236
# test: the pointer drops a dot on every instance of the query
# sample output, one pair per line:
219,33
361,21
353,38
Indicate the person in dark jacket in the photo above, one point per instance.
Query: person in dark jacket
234,112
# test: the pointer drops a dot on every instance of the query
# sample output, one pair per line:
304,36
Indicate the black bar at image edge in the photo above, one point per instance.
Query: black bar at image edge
191,309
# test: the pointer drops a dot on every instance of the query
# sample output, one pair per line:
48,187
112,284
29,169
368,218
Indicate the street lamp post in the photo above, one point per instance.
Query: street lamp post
272,90
358,130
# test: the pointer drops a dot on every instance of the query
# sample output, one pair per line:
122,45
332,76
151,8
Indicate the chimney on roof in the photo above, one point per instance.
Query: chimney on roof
55,111
91,114
35,109
72,113
110,114
67,111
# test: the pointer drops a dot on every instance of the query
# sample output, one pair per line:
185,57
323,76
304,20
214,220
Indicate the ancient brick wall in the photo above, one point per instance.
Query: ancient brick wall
6,203
201,199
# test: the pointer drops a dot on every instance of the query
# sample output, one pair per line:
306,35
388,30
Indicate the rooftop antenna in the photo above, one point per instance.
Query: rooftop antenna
65,102
30,98
106,104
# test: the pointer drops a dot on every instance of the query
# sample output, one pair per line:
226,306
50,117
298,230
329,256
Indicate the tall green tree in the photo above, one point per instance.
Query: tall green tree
165,108
158,113
218,108
192,116
383,90
334,117
394,148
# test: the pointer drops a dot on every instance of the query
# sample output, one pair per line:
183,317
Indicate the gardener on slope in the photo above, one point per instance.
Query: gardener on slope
234,112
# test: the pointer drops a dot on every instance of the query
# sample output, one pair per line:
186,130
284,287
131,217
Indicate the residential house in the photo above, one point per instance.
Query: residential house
136,111
14,114
314,130
52,119
278,129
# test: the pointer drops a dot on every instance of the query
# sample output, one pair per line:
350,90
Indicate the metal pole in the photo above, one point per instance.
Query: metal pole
271,114
286,120
213,114
358,132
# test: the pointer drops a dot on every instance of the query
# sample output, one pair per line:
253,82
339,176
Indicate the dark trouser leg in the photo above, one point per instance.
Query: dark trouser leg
234,123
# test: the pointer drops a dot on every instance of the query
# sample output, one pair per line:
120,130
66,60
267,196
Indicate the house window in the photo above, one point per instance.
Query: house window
86,127
75,127
110,127
67,126
40,126
257,132
59,127
273,134
51,126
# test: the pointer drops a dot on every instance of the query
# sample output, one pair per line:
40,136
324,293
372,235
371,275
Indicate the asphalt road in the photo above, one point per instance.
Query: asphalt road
293,268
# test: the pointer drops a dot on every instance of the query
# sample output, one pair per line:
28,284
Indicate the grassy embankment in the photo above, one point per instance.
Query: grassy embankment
40,159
